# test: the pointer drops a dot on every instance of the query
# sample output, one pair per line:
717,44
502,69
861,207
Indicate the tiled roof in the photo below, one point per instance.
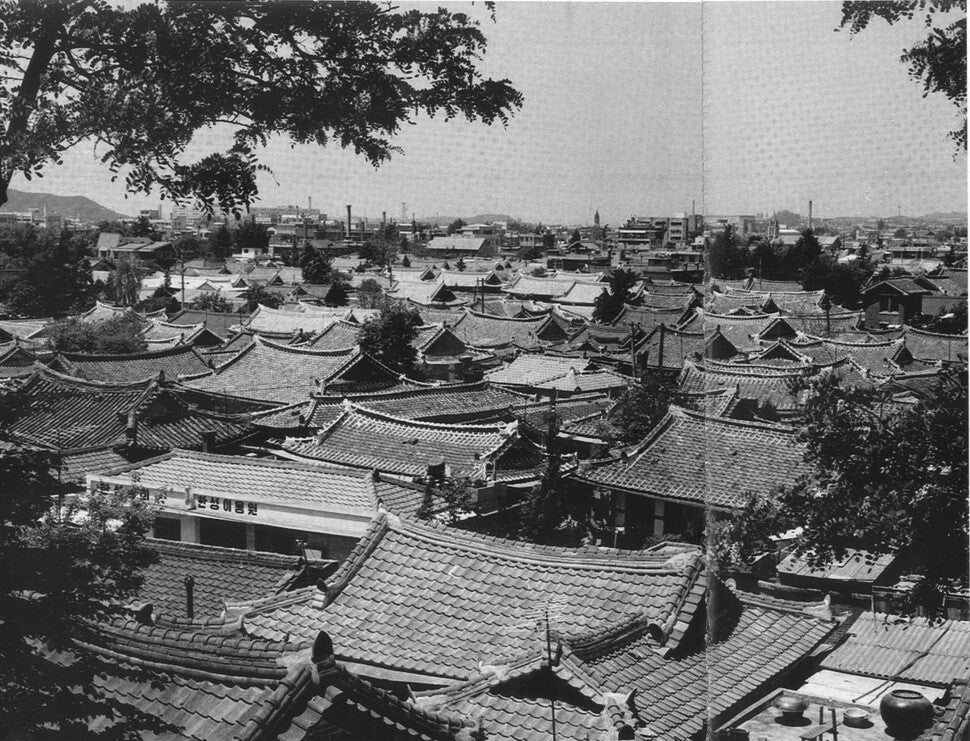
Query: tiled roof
668,347
763,384
669,287
77,464
902,285
675,694
486,331
856,565
25,329
648,317
179,361
198,686
953,722
757,284
468,279
424,292
744,332
949,348
526,286
878,358
704,460
681,301
905,649
451,403
449,599
820,325
219,323
366,439
280,322
274,372
341,335
61,412
219,574
16,360
617,677
262,480
530,370
583,292
593,380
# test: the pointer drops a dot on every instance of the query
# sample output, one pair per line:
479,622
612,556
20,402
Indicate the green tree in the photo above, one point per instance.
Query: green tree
119,335
57,281
452,497
143,80
143,228
611,302
455,226
842,282
339,293
221,242
317,269
388,336
800,255
369,294
75,568
726,257
938,62
641,407
406,262
124,283
257,295
882,477
214,302
252,236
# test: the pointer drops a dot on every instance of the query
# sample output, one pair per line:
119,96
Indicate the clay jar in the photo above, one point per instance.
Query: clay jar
905,712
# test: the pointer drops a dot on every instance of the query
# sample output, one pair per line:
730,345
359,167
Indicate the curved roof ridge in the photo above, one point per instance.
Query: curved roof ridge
65,379
519,550
730,421
494,317
239,460
237,657
364,411
180,349
704,314
397,393
296,350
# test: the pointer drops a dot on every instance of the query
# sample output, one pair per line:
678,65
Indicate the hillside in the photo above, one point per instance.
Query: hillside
477,219
71,207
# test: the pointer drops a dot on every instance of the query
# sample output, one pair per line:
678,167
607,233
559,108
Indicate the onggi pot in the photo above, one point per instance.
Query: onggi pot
905,712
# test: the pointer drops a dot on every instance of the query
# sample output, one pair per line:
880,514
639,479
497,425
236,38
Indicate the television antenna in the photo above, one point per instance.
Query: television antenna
538,616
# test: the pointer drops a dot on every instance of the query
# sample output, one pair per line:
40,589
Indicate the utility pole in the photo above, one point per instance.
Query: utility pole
552,678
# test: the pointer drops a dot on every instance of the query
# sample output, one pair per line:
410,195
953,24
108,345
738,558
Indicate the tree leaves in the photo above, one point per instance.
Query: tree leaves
144,81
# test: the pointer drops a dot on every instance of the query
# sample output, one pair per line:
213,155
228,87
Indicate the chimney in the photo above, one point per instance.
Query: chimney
809,214
348,221
309,202
383,223
131,429
190,598
208,440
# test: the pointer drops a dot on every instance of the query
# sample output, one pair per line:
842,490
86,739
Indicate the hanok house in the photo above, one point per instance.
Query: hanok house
177,362
95,426
503,631
187,682
467,403
492,457
241,502
272,372
505,335
215,575
856,573
690,465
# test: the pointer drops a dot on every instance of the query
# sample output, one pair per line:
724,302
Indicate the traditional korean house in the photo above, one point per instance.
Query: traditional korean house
691,465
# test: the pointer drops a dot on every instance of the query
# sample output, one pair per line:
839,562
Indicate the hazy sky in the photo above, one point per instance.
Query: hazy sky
640,108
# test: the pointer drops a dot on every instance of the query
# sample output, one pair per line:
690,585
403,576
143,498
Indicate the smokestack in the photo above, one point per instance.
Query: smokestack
190,598
309,202
348,221
383,223
809,214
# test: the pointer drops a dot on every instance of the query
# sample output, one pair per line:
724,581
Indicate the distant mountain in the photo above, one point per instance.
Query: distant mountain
477,219
947,216
71,207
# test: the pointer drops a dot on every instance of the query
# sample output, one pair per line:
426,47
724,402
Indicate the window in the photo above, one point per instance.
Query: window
222,533
167,528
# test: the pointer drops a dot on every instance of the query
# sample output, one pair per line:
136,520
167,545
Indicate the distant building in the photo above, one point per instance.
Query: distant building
113,246
743,224
459,245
